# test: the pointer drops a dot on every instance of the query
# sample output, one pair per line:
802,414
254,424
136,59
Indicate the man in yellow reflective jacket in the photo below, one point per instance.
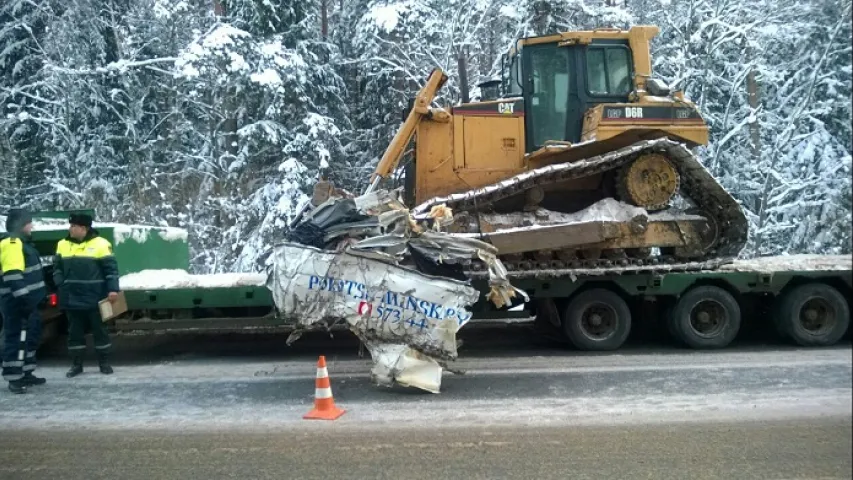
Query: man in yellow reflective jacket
21,291
85,272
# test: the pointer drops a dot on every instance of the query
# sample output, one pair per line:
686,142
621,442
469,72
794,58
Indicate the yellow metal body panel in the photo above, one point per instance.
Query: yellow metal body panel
692,131
434,166
468,152
492,143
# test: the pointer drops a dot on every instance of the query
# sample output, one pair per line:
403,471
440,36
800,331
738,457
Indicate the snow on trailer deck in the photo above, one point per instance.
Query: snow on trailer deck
791,263
181,279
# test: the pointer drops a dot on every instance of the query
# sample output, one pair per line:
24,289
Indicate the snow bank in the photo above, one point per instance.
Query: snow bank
174,279
121,231
139,233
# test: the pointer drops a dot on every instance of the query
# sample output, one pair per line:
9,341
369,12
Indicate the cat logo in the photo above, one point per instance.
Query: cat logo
506,108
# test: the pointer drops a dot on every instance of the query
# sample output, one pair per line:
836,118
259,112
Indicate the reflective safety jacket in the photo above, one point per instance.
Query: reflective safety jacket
84,271
23,280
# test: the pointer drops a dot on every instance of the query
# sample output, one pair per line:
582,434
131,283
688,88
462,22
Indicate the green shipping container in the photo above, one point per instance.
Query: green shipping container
136,247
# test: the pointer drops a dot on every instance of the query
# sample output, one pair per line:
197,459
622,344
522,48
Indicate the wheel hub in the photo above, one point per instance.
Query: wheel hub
817,316
599,321
708,318
650,181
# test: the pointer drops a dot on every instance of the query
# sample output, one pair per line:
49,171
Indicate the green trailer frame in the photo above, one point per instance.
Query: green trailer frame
674,284
251,307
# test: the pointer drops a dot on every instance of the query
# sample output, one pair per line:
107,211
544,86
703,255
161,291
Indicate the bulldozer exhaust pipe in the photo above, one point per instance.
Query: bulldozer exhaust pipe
462,65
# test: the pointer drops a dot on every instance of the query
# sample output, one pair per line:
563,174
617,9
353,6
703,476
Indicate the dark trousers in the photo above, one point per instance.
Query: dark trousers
78,322
14,363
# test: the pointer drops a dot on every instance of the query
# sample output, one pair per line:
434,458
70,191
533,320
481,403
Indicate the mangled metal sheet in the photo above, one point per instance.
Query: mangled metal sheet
407,319
396,282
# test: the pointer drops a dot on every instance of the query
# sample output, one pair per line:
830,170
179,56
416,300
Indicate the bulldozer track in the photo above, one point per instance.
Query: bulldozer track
697,184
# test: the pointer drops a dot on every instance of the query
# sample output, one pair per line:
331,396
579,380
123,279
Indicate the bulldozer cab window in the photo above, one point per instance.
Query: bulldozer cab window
608,71
548,96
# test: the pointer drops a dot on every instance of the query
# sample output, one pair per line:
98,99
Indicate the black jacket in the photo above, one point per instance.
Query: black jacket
84,271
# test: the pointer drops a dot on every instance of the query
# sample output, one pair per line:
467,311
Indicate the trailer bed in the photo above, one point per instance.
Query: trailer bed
170,301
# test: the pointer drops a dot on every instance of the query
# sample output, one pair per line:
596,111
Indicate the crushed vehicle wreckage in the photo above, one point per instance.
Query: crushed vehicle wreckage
396,283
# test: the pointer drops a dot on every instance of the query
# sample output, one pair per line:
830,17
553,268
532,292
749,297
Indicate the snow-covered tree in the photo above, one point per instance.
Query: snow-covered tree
219,115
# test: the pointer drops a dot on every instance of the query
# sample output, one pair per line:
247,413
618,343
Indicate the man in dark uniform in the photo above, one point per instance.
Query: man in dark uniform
21,292
85,273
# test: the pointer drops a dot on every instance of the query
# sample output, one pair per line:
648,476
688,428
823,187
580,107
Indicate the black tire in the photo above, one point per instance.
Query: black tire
705,317
547,323
597,320
813,315
671,327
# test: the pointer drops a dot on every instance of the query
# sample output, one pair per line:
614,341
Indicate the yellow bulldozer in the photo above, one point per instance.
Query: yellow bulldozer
579,160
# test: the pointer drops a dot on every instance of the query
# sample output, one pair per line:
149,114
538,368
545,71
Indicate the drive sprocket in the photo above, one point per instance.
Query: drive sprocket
650,181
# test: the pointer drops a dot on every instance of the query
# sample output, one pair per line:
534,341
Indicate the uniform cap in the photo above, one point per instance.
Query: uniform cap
17,219
82,219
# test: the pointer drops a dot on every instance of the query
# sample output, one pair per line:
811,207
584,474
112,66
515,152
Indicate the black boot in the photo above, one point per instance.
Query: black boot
76,366
17,386
104,365
30,379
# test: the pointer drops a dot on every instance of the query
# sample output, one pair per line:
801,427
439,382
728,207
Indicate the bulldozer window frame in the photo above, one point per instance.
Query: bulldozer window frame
512,73
545,63
605,52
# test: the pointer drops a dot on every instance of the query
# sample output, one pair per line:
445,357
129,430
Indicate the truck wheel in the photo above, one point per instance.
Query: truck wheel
813,315
671,327
705,317
597,319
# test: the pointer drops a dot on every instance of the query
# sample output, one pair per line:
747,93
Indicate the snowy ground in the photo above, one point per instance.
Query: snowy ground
247,393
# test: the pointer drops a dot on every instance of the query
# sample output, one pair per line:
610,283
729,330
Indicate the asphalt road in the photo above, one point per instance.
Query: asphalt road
251,393
231,407
815,449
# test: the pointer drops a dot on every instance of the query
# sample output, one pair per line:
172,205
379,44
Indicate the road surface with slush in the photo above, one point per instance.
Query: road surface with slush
199,407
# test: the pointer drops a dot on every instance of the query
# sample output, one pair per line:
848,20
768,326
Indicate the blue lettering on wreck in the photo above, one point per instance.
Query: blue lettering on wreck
395,303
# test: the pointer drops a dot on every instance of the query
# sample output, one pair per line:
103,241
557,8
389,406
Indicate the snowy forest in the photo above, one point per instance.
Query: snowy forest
219,116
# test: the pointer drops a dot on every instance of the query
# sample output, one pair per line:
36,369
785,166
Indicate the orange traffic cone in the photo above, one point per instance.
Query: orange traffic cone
324,402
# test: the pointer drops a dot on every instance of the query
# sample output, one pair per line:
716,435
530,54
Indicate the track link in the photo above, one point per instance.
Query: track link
697,184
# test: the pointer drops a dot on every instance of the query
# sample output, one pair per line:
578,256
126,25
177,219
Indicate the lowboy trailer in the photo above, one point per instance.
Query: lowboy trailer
803,299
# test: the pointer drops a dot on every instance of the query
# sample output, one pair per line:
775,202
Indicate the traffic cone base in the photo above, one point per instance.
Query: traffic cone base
324,402
332,414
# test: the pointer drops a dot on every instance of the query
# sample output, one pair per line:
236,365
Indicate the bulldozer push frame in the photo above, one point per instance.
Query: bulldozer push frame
582,176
